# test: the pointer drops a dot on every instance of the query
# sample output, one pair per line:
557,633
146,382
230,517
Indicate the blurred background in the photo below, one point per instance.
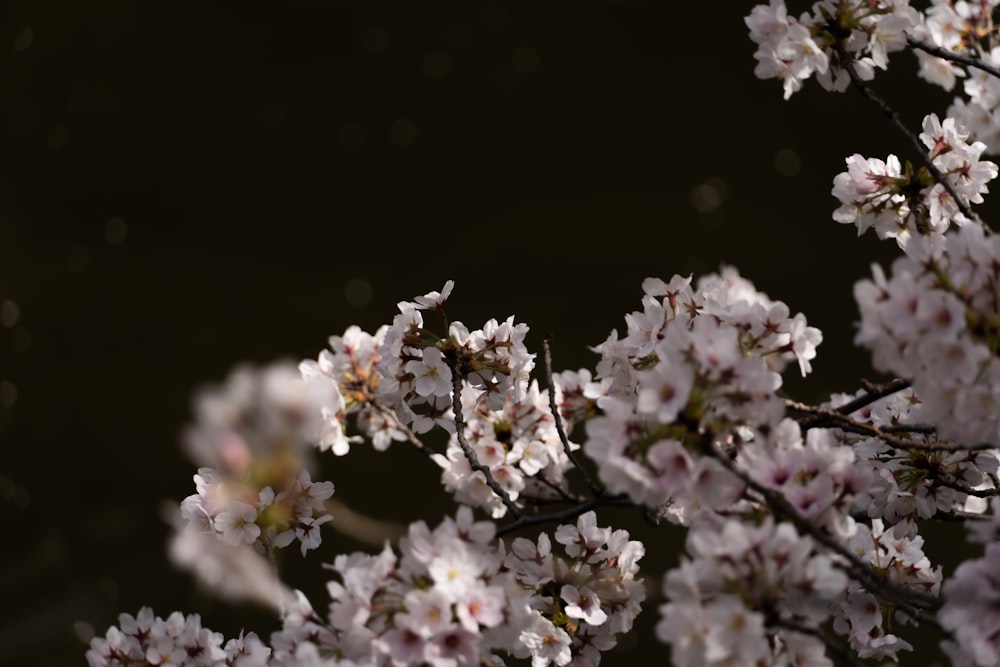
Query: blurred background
188,186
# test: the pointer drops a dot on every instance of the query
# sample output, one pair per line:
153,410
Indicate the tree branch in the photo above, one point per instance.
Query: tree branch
968,61
595,489
470,454
834,418
620,500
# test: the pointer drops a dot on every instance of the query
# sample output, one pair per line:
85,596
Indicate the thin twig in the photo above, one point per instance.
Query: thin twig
925,429
565,515
958,517
872,394
968,61
836,419
411,437
563,493
966,489
595,489
470,454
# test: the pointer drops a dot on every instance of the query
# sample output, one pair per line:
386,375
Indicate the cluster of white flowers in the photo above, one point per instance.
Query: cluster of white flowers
257,418
865,31
417,364
242,512
452,596
695,360
970,600
749,595
934,320
916,483
146,639
965,28
803,531
900,203
816,474
518,443
347,378
970,609
579,603
251,440
898,559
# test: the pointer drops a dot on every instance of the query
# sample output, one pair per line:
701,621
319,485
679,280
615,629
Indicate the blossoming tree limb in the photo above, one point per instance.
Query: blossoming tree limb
803,521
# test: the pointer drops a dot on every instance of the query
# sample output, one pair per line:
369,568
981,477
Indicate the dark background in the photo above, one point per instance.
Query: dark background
187,186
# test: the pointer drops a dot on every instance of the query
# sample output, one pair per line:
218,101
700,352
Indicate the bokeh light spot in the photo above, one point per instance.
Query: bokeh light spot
403,132
358,292
115,231
709,196
84,631
436,65
787,162
525,60
10,313
8,394
23,40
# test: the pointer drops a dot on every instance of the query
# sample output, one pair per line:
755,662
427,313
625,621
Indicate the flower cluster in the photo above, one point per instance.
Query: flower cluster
346,378
417,365
900,560
970,610
803,521
260,419
451,596
748,595
251,440
437,602
920,481
242,511
966,29
934,321
814,472
900,203
859,34
579,603
518,443
695,361
145,640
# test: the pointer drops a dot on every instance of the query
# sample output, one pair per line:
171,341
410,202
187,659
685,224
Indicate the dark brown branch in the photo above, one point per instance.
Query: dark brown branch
961,59
470,454
961,487
411,437
926,429
563,493
595,489
565,515
835,419
871,395
958,517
